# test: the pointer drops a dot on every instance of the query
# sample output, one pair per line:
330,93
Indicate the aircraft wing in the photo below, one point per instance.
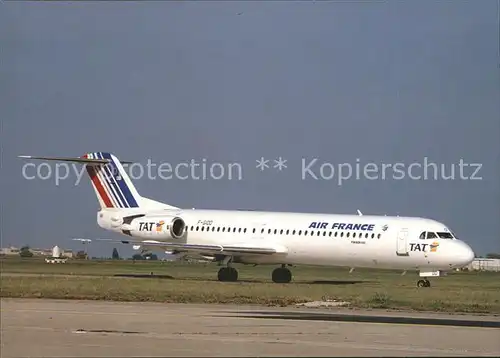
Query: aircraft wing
226,249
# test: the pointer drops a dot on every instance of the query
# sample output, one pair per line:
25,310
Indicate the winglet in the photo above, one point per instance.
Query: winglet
360,213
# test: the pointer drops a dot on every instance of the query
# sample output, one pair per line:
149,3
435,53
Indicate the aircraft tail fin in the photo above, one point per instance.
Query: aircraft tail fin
110,181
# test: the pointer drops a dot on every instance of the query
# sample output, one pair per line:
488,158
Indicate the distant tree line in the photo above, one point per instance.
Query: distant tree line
147,256
25,251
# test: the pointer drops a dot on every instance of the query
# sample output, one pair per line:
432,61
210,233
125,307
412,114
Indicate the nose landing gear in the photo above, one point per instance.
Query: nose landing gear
423,283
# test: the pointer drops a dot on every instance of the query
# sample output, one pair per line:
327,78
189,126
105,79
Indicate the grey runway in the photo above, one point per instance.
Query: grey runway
41,328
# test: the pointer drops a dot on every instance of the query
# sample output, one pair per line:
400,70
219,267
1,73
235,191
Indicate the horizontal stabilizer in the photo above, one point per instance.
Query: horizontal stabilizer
71,159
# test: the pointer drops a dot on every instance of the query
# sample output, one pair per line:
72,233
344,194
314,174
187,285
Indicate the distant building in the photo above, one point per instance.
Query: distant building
67,253
12,250
41,252
480,264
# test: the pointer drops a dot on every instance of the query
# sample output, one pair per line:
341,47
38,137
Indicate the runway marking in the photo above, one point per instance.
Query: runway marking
106,331
334,317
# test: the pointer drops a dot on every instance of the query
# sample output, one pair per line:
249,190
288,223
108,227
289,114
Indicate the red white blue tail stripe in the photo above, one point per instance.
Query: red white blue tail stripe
111,183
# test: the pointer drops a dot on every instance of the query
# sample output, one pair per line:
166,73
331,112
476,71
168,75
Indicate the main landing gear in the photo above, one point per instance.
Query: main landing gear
230,274
423,283
281,275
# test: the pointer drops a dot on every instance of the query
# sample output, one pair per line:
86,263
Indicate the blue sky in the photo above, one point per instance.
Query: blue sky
377,82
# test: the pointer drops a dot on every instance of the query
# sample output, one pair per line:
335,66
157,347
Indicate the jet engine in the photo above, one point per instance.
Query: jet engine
154,227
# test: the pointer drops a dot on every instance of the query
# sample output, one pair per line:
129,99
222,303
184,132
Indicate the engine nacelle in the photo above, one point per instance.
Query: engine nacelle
155,227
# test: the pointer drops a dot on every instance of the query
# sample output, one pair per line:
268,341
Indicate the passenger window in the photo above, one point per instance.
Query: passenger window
354,235
378,236
305,232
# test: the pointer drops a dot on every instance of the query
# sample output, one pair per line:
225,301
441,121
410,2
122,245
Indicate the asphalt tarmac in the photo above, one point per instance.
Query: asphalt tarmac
56,328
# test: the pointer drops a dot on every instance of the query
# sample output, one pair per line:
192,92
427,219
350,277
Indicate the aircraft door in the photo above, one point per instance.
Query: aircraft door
402,243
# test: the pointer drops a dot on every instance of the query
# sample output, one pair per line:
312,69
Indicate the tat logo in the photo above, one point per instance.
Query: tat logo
434,246
159,226
148,226
423,247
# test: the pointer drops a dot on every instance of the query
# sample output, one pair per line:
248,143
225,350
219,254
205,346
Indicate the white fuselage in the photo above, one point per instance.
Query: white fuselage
315,239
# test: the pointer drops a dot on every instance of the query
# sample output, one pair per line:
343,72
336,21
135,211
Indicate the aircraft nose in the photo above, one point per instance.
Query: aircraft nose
465,254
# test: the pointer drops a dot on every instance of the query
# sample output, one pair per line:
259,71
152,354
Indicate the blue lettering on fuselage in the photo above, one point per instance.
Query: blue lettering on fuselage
341,226
318,225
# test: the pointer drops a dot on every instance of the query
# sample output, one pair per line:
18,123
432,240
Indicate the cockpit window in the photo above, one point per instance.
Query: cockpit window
431,235
445,235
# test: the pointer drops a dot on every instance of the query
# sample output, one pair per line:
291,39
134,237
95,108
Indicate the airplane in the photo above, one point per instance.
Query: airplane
274,238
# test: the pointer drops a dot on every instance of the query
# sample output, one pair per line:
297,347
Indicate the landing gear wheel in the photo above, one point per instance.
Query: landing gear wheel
228,274
423,283
282,275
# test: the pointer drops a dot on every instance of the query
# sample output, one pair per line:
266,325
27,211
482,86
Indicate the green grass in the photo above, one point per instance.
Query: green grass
473,292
